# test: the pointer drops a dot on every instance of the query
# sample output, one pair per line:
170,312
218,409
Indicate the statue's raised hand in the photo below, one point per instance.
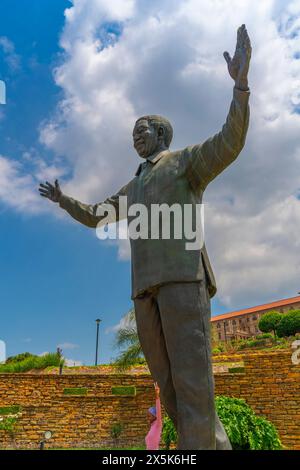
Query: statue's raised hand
51,192
238,66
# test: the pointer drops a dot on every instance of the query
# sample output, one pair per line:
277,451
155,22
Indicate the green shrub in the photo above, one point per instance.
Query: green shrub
253,343
116,430
246,430
290,324
75,391
236,370
30,362
19,357
8,424
8,418
217,350
124,391
264,336
269,322
8,410
169,434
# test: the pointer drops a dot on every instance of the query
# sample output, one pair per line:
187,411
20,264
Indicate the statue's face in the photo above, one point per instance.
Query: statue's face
145,138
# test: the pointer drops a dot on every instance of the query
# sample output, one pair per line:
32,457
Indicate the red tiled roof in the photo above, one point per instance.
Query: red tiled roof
259,308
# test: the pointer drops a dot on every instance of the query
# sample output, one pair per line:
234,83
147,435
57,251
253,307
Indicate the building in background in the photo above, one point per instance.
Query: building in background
244,323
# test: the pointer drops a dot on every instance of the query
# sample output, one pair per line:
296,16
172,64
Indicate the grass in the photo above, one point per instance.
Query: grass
265,341
75,391
30,363
125,391
9,410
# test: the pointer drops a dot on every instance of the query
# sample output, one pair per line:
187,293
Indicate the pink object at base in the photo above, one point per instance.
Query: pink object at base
154,435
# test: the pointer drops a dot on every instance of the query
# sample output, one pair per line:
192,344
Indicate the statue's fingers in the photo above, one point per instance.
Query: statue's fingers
44,189
249,51
43,192
247,46
245,36
247,42
49,185
45,195
227,57
241,35
44,186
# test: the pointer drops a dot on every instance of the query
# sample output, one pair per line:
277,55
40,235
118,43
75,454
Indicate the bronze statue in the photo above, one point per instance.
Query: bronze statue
172,286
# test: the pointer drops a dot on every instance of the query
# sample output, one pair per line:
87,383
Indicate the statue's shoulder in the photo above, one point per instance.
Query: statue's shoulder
174,154
177,155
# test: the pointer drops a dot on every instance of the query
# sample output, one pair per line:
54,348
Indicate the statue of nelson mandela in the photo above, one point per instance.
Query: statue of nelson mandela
172,286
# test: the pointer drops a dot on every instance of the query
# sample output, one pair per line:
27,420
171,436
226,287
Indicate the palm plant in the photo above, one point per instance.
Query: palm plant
127,339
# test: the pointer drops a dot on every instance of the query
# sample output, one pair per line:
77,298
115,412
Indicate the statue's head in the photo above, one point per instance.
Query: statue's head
151,134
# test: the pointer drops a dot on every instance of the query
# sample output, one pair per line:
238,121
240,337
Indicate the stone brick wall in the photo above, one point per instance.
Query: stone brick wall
270,383
76,421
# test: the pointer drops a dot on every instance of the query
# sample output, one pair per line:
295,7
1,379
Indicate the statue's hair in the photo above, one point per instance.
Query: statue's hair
160,121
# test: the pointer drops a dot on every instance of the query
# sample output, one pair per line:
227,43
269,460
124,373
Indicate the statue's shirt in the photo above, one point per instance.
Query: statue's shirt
173,177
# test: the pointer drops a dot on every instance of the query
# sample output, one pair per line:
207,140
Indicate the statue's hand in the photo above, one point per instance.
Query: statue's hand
238,66
51,192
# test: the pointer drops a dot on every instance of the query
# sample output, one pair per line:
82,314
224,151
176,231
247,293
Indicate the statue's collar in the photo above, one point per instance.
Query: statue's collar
157,156
152,159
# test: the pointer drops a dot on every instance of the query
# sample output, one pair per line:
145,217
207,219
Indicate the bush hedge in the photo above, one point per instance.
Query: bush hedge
30,362
289,324
246,430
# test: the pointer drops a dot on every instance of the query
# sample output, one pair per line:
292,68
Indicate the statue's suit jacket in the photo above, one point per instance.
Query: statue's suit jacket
173,177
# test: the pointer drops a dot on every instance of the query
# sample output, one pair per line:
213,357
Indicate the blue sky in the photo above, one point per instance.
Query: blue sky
56,277
44,263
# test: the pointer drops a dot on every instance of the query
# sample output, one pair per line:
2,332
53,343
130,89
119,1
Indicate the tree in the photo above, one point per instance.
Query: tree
289,324
127,338
269,322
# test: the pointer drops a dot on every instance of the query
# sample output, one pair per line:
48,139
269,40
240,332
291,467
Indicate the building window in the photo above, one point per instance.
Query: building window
220,337
218,325
233,322
248,319
254,317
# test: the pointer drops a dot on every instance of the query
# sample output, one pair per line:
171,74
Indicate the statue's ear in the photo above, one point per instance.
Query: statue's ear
161,131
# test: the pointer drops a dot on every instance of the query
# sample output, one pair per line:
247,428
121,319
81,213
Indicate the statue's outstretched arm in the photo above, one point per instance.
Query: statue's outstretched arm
87,214
205,161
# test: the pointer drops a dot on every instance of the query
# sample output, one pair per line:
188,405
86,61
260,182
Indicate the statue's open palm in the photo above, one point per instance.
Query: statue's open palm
238,66
51,192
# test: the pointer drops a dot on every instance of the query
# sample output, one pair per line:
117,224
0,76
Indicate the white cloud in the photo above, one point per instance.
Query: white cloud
16,186
68,362
168,60
127,321
67,345
11,57
72,363
19,182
